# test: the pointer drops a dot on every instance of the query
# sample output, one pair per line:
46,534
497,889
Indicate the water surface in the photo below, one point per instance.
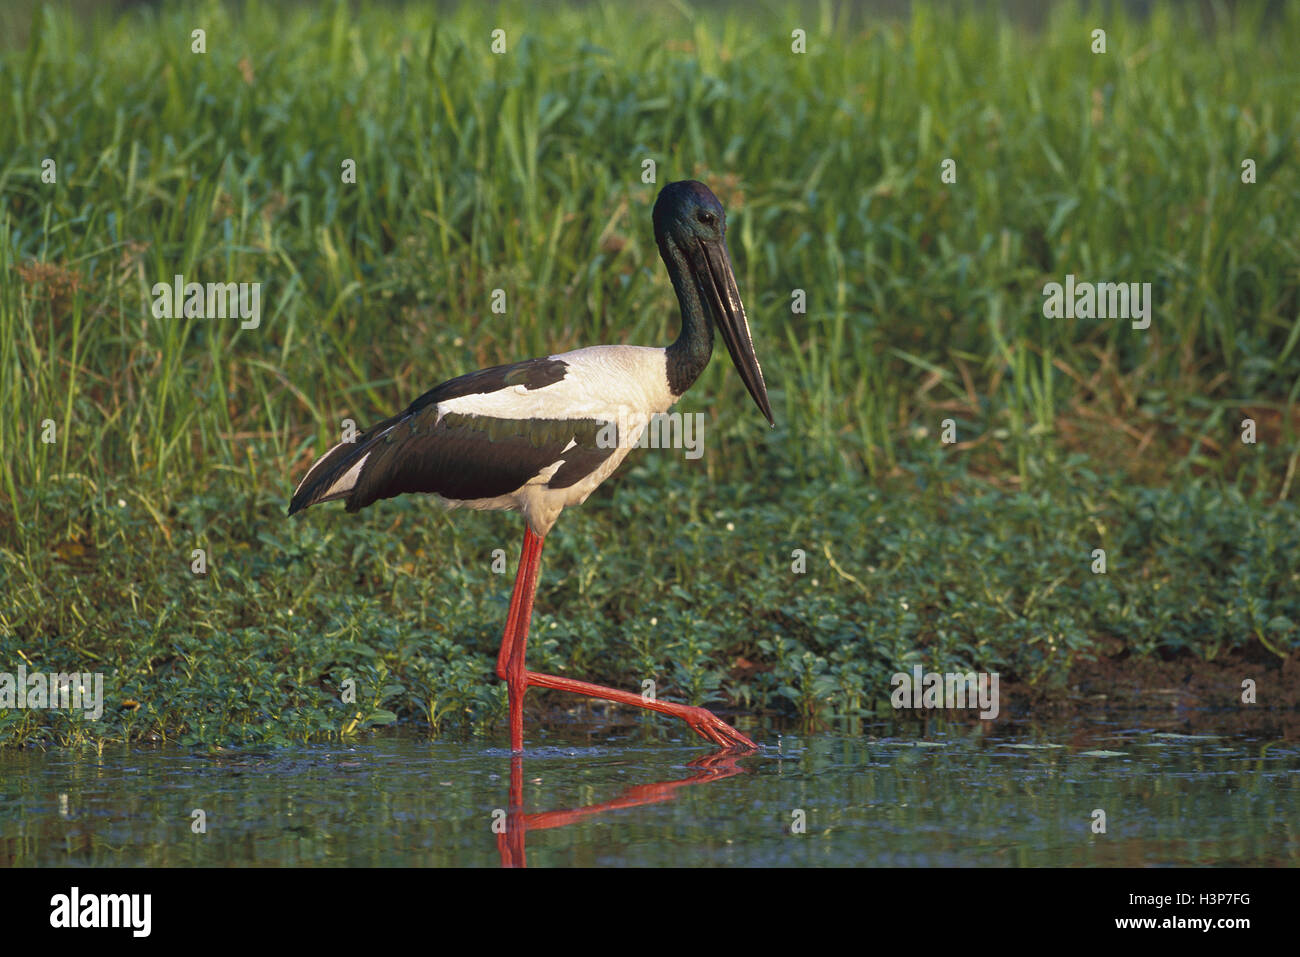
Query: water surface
1027,796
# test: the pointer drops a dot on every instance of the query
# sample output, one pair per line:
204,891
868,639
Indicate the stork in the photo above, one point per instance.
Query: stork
540,435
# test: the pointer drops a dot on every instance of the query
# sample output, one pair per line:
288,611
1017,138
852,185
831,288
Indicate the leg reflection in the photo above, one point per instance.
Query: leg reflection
510,844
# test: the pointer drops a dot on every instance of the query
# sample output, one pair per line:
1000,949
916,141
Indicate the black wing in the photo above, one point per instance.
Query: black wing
461,456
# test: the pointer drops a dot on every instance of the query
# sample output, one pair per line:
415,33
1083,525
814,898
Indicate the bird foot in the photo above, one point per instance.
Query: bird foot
700,720
704,723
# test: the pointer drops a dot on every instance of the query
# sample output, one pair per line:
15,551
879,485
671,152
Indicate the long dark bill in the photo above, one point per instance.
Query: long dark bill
718,285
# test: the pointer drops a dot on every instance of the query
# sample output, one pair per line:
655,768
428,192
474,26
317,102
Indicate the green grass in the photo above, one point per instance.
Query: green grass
522,172
406,604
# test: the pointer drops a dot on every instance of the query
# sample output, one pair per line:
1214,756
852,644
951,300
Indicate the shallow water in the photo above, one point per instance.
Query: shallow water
1026,796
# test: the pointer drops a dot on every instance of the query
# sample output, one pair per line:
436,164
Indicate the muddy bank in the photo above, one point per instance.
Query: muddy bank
1202,695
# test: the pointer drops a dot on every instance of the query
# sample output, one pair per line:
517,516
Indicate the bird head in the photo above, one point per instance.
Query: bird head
691,226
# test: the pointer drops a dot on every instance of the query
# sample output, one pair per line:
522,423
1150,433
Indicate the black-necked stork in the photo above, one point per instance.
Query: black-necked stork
540,435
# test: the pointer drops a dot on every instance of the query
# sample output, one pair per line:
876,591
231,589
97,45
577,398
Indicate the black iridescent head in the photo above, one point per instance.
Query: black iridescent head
686,211
691,230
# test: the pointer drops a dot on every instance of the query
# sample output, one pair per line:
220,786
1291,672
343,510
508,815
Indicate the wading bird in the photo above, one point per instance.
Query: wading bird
540,435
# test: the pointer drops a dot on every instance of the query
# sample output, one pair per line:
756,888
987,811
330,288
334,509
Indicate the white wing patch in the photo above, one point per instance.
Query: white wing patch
598,383
348,479
351,477
545,474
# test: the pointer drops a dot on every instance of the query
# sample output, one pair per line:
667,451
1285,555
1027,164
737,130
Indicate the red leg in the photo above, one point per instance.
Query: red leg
700,720
510,667
512,617
514,643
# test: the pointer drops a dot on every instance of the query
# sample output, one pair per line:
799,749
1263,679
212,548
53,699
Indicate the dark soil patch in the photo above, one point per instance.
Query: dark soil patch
1184,689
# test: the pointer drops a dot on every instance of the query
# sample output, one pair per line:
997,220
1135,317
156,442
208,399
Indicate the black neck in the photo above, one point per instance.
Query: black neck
688,356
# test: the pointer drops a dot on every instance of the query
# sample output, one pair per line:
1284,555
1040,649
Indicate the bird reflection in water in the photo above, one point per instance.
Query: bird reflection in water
704,770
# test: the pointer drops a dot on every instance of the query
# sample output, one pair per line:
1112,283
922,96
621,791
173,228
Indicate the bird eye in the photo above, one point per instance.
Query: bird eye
707,218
